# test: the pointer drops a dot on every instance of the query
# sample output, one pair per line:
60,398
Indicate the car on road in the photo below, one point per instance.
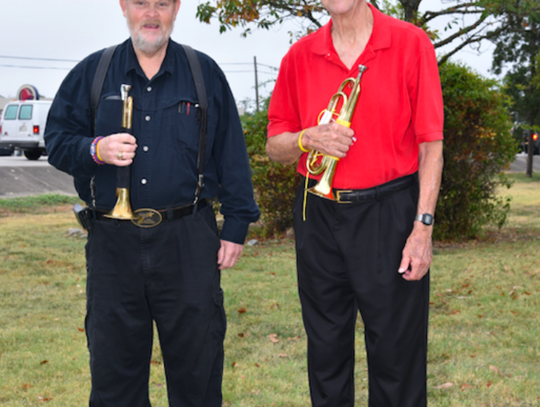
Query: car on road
22,127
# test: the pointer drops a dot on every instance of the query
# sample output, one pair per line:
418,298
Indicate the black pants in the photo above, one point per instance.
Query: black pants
348,257
167,274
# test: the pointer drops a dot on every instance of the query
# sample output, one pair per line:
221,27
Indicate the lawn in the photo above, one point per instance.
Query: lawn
484,347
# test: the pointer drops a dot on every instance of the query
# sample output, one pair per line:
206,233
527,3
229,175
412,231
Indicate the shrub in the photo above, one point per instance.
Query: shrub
478,146
275,184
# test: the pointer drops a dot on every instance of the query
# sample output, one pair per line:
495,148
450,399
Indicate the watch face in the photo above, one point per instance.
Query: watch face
427,219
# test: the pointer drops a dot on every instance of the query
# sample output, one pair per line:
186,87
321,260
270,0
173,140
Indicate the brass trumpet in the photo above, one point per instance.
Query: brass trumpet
315,164
122,209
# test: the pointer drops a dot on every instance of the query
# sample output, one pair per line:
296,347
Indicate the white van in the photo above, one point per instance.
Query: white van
23,126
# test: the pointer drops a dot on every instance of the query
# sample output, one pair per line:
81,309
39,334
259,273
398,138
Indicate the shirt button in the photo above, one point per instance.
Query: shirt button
147,118
149,89
145,148
143,181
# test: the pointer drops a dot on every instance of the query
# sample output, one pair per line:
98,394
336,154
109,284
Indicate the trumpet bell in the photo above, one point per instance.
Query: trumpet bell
324,186
122,209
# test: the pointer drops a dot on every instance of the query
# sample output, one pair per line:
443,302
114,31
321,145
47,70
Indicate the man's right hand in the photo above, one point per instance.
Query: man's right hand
330,139
117,149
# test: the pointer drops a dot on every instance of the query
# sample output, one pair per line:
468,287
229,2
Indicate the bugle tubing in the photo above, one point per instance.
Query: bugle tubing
122,209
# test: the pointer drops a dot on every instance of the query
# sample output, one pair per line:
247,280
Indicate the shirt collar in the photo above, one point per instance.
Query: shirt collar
380,37
132,63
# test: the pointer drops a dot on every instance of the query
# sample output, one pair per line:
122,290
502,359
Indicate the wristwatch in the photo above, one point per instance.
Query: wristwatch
425,218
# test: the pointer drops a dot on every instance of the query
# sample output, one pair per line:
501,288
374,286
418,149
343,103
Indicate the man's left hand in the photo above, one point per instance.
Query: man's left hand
417,254
228,254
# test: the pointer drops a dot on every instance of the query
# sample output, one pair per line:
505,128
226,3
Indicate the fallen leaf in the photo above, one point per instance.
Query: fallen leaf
488,384
294,338
273,338
233,364
444,386
43,362
81,329
480,316
454,312
473,356
242,310
465,386
282,355
241,334
514,313
496,370
256,364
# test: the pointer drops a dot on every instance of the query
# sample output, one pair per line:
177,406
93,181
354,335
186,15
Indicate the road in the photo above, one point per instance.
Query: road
22,177
520,163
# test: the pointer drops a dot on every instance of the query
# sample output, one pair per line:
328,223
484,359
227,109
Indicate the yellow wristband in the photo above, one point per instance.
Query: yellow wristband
300,142
97,150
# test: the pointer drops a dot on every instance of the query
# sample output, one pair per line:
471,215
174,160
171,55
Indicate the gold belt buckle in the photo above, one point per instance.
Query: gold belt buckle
338,196
147,218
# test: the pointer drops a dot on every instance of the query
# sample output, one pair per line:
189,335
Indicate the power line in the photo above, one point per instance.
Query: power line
40,59
32,67
76,61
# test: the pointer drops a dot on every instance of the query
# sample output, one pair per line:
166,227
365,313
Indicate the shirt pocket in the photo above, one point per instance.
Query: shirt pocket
182,124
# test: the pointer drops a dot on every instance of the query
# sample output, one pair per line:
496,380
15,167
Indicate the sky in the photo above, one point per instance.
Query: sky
48,37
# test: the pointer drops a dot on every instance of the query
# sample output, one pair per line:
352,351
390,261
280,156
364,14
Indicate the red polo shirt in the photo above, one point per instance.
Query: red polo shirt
400,103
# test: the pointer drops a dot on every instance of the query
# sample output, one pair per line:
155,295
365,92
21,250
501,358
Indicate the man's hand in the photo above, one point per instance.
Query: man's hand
331,139
417,254
117,149
228,254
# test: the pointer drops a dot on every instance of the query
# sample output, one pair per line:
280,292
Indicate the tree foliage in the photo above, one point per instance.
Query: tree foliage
478,146
467,22
518,50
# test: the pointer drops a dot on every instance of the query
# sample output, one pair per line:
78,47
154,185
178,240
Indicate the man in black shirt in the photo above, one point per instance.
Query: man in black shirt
170,273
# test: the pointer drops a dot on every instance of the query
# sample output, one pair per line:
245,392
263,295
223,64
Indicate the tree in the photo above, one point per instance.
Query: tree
471,21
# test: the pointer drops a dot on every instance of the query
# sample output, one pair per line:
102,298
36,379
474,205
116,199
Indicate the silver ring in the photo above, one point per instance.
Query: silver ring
120,155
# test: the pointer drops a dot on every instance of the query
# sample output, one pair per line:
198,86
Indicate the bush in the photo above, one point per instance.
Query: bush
478,146
275,184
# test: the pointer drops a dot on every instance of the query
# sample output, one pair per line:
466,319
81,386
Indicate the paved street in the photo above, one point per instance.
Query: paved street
22,177
520,163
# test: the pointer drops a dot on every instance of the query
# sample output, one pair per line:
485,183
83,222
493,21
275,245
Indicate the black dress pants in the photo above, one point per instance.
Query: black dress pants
167,274
348,257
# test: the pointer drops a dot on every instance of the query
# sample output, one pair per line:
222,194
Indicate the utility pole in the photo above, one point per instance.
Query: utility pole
256,85
530,152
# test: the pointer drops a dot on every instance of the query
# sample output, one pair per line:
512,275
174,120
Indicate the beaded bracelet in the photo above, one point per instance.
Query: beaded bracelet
94,151
300,142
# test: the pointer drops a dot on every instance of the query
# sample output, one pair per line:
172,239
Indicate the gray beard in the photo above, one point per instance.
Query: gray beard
141,44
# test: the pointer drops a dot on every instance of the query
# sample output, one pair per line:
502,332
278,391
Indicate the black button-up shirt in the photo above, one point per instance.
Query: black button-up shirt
166,123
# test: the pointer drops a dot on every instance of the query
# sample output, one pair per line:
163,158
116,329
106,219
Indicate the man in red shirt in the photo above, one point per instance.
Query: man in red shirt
371,249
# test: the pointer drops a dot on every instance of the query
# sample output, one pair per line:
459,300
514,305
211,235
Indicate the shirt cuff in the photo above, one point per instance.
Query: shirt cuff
234,230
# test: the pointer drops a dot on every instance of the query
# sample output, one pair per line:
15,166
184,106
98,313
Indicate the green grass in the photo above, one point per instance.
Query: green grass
484,323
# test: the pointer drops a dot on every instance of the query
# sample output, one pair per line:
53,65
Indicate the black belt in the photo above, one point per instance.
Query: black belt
375,193
153,217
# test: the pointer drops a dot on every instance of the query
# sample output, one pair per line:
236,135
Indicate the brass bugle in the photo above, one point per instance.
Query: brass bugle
327,164
122,209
